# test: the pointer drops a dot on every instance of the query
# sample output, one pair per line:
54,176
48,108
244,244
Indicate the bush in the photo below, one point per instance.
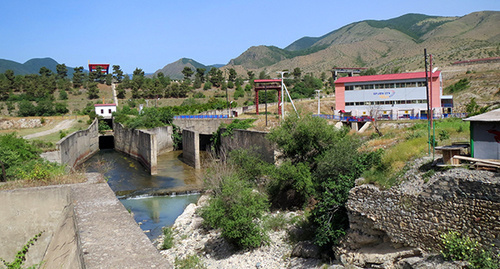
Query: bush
190,262
456,247
168,238
235,211
16,152
294,180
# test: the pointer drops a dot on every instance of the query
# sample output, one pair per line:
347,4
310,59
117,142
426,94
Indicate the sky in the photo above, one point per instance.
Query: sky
153,33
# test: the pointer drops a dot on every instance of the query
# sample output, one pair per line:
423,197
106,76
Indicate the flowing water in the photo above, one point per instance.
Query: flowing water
134,186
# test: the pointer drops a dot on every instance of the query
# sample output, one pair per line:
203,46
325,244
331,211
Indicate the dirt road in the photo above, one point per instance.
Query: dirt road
65,124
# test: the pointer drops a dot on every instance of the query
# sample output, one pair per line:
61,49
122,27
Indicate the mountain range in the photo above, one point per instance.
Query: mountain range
31,66
174,70
393,45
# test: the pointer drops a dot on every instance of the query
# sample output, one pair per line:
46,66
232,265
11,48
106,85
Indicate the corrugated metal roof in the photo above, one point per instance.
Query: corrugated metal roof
493,115
386,77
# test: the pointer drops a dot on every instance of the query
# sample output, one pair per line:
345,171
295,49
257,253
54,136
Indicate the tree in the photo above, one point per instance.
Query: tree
187,72
120,91
93,91
78,77
216,77
109,79
62,71
251,75
335,161
297,73
117,73
165,81
200,74
232,75
45,72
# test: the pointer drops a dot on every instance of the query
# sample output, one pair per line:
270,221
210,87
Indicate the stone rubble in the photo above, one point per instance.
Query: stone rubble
190,238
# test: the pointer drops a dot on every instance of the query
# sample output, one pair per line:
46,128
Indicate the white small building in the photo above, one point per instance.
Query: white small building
105,110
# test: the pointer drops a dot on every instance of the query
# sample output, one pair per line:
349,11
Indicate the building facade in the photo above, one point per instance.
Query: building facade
105,110
391,96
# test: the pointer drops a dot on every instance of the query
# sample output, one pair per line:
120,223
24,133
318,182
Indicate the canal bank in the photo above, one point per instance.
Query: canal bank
157,200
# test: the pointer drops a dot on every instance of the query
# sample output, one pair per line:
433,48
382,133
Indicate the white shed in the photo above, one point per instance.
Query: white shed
105,110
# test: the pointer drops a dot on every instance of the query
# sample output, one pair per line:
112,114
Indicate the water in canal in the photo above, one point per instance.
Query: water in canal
134,186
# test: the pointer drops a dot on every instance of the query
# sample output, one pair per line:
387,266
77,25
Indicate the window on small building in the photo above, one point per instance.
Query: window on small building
109,111
102,111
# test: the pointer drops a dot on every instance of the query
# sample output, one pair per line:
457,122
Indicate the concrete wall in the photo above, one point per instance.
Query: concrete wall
139,144
459,200
27,212
203,126
244,139
163,138
79,146
84,226
191,148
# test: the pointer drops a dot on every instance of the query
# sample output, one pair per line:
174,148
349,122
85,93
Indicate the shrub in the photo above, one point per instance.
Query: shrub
168,238
235,211
289,177
444,135
190,262
275,223
456,247
198,95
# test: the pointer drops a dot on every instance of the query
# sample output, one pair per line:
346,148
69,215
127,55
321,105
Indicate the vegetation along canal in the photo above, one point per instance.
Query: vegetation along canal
140,192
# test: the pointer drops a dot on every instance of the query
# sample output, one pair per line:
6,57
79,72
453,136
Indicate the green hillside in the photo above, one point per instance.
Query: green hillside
31,66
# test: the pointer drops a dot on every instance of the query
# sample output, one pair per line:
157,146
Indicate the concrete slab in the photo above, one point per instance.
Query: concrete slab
109,236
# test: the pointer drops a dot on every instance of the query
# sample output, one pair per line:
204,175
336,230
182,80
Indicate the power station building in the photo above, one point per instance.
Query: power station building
391,96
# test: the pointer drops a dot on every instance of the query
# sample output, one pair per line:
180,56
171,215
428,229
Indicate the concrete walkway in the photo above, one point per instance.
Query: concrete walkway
109,236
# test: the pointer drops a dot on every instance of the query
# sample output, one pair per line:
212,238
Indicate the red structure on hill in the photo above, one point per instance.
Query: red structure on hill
104,68
267,84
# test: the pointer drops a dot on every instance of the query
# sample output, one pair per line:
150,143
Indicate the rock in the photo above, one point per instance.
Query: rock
429,262
380,256
306,249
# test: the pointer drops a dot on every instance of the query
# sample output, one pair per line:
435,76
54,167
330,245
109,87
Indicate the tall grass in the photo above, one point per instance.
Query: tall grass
412,143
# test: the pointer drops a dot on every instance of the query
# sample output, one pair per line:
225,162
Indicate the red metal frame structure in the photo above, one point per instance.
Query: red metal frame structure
267,84
104,68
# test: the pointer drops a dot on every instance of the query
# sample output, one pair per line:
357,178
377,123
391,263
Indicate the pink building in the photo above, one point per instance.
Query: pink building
392,96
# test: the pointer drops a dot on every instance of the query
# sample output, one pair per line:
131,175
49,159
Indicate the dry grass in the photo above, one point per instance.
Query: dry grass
70,178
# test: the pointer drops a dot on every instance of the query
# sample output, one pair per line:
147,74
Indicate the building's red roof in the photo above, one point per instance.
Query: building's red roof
266,80
104,105
386,77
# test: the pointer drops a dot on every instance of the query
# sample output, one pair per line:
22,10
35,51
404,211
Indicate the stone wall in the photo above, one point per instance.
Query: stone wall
459,200
191,148
139,144
77,147
245,139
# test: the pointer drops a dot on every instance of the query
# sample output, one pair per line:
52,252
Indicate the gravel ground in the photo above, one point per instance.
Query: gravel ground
214,252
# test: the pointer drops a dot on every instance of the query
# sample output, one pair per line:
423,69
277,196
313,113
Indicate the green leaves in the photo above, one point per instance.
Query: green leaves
456,247
235,210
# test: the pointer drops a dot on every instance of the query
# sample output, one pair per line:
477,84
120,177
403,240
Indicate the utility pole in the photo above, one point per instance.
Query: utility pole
428,105
317,92
283,94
